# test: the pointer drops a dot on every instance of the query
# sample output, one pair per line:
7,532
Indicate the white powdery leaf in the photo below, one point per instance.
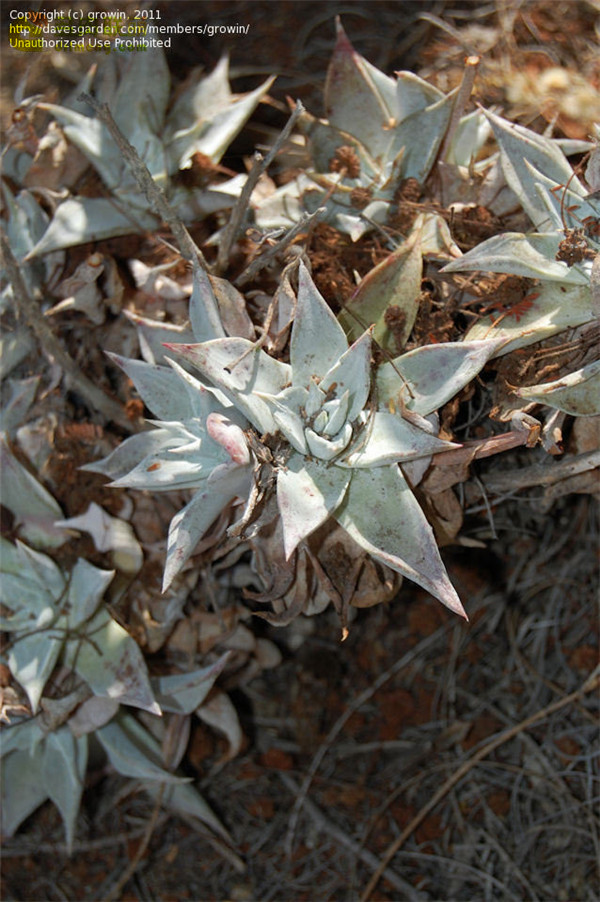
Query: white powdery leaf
318,341
519,146
22,785
389,438
577,393
34,508
352,374
558,306
242,380
31,660
112,664
426,378
81,219
532,256
128,455
132,751
63,773
109,534
189,525
359,99
87,585
308,493
181,693
205,318
382,515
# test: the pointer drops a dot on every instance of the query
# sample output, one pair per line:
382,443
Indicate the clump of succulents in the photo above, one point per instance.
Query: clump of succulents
559,257
379,132
332,433
77,667
200,124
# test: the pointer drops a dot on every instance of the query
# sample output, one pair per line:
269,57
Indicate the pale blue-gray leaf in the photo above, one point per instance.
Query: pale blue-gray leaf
87,585
182,693
63,773
307,494
382,515
424,379
22,788
388,438
242,380
111,662
132,751
318,340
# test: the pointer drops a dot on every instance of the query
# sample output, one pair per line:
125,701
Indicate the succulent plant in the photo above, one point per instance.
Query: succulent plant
203,120
77,666
560,256
379,132
331,434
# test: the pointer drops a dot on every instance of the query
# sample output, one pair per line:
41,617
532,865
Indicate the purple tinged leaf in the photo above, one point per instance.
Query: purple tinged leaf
394,283
424,379
382,515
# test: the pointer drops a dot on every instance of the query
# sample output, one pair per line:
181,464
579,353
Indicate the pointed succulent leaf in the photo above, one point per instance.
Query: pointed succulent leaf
358,97
81,219
393,285
288,421
42,570
22,786
31,660
388,439
352,374
532,256
426,378
429,125
91,137
382,515
159,387
205,318
308,492
568,207
470,136
128,455
318,340
109,534
325,448
225,125
63,773
189,525
414,94
34,508
142,95
182,693
111,662
132,751
577,393
558,306
87,585
22,394
241,379
185,799
519,146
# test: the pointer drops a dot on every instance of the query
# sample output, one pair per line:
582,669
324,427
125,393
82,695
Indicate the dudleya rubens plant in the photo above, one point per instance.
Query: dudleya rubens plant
561,256
203,119
378,132
77,667
334,434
